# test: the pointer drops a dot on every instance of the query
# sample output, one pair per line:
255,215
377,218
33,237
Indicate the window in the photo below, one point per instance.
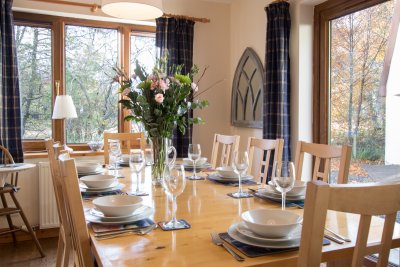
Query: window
34,50
82,62
90,55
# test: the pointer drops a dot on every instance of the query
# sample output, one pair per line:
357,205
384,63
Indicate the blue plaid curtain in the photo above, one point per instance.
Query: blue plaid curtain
277,71
175,37
10,114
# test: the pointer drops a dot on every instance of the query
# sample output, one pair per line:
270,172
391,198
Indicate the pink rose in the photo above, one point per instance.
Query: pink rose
159,98
163,85
194,87
154,85
126,91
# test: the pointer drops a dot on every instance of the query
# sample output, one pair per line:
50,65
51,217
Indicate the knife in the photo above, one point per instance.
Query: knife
334,239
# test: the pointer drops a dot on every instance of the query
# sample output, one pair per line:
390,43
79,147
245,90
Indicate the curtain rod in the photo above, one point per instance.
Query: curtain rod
94,7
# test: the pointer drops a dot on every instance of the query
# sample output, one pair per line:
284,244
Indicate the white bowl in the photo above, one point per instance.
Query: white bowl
271,223
95,145
299,188
98,181
117,205
227,172
87,166
201,161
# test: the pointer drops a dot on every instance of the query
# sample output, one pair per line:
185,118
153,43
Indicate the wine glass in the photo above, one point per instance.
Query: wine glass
194,153
283,176
174,183
240,165
114,154
136,164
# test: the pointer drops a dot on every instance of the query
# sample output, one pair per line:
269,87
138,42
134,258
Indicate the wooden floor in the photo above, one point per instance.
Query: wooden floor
25,254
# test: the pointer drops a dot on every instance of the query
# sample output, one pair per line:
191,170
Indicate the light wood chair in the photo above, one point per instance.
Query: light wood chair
10,189
54,150
228,144
364,199
322,154
73,203
128,141
266,146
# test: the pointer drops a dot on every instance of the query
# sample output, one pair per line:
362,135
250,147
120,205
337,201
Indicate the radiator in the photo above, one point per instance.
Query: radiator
48,214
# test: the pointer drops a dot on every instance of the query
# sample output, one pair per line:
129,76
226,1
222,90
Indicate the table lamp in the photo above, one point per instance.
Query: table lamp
64,108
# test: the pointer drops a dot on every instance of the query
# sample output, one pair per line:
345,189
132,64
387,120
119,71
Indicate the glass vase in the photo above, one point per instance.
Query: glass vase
161,149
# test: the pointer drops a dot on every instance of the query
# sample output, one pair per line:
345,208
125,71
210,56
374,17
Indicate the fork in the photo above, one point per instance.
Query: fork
144,231
216,239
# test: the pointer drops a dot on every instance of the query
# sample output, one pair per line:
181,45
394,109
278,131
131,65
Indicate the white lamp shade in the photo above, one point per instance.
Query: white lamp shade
64,108
133,9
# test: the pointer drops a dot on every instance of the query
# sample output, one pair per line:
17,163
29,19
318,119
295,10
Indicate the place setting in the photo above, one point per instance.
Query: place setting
99,185
87,167
194,162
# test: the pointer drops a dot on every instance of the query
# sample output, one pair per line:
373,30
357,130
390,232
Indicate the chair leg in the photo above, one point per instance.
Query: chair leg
27,224
60,250
9,220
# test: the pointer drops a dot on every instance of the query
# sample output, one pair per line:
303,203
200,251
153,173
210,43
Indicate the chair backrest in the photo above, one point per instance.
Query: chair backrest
364,199
128,141
227,144
322,155
73,203
266,146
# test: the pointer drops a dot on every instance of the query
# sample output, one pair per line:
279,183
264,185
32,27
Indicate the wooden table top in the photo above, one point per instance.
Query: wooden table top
206,206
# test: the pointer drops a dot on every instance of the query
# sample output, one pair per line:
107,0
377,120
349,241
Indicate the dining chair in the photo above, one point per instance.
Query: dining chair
322,155
54,150
10,189
73,204
227,144
365,199
128,141
266,147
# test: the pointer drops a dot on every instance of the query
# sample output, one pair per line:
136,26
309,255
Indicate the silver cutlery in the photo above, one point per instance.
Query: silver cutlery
216,239
143,231
334,239
344,238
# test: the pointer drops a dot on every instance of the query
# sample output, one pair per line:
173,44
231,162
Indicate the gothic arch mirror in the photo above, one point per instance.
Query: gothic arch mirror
247,90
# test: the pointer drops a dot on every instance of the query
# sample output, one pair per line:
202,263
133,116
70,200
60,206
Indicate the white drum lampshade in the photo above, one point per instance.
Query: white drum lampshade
133,9
64,108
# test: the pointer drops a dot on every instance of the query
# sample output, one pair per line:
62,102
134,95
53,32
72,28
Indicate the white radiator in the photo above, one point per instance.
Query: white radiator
48,214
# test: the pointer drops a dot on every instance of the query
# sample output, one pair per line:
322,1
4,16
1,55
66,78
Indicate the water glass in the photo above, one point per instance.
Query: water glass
115,154
174,183
240,166
283,177
136,164
194,154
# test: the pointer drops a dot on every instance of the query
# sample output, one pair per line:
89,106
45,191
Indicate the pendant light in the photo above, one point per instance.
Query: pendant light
133,9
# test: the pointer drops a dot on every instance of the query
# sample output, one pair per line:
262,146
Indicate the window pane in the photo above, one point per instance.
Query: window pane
90,55
143,50
358,115
35,76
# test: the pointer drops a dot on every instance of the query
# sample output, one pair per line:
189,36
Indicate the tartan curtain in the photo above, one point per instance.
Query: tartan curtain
276,103
175,38
10,113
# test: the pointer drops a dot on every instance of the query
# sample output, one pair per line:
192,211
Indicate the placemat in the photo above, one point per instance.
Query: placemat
88,195
231,195
253,251
103,228
289,203
186,225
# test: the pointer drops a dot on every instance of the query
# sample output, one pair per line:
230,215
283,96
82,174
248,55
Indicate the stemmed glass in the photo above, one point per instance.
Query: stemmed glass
283,176
240,165
115,153
174,183
136,164
194,153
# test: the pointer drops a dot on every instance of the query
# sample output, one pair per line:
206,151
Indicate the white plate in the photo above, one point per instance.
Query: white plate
234,233
295,235
146,213
99,214
98,171
117,186
271,193
83,186
290,193
204,166
217,177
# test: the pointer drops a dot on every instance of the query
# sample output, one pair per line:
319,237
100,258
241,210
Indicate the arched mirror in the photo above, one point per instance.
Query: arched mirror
247,90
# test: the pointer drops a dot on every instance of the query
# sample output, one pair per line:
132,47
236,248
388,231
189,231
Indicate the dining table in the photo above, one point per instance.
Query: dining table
206,206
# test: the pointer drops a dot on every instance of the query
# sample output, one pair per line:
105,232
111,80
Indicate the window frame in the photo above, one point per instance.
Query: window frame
323,13
57,26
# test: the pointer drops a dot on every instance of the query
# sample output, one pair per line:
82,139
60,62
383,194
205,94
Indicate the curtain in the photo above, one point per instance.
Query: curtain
276,103
10,114
175,38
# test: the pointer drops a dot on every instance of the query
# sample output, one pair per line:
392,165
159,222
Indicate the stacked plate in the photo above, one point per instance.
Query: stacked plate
227,175
296,194
200,164
118,209
99,184
88,168
260,227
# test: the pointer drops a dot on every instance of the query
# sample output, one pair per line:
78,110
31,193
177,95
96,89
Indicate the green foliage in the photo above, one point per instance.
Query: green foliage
160,102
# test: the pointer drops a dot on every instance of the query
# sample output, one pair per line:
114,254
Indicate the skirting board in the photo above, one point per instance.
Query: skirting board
22,236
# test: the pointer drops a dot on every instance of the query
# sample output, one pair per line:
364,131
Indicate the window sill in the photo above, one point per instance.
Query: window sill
88,153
